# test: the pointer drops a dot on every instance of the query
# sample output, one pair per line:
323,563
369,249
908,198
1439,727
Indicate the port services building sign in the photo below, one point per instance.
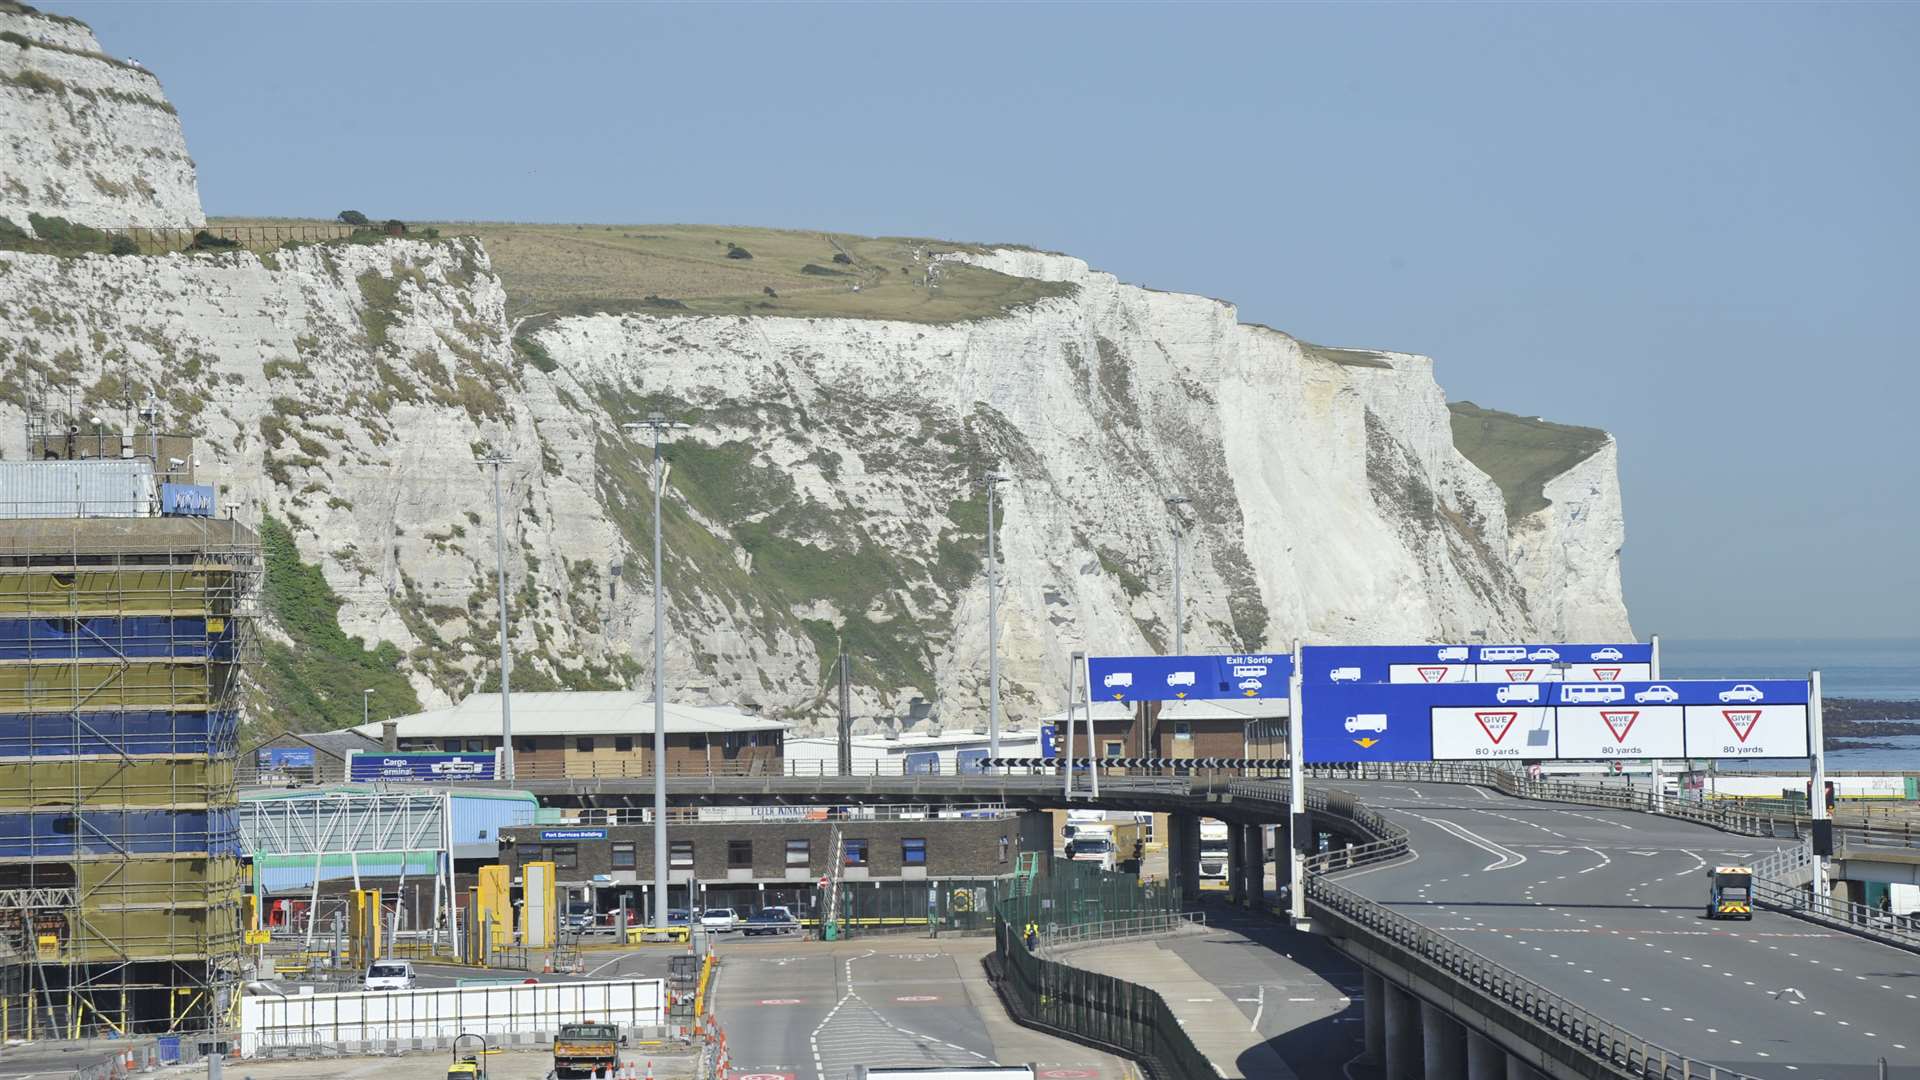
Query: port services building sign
1622,662
1189,678
1673,718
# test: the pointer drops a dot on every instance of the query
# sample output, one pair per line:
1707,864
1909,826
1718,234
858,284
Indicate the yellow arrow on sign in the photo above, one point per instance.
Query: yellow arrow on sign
1366,743
1120,697
1250,693
1181,694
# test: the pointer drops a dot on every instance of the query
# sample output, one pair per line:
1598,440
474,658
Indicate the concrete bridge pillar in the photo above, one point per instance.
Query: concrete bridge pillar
1373,1006
1443,1044
1257,867
1236,864
1485,1060
1183,854
1403,1035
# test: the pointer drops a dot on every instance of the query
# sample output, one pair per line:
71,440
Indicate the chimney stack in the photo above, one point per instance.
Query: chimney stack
390,735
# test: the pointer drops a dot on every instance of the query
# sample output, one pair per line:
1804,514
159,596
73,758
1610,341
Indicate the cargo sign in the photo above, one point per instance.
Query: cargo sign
1534,721
186,500
420,767
1625,662
1189,678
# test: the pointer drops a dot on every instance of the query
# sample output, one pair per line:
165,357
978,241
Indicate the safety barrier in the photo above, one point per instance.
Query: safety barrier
1157,924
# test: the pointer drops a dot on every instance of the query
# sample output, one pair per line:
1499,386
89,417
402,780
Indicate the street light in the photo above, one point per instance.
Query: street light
365,697
992,481
658,422
500,586
1174,503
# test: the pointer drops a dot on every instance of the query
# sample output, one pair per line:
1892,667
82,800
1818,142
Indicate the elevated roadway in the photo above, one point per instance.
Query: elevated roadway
1607,908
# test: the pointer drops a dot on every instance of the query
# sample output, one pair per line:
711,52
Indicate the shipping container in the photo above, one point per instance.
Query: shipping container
64,489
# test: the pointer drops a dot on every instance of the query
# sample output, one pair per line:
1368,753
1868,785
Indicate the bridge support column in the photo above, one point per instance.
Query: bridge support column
1373,1006
1520,1070
1443,1044
1257,867
1183,855
1485,1061
1236,864
1403,1035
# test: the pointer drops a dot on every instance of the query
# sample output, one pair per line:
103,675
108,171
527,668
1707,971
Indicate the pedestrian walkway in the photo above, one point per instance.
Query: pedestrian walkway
1215,1024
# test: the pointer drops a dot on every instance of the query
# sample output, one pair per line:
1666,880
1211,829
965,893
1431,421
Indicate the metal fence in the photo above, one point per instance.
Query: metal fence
1158,924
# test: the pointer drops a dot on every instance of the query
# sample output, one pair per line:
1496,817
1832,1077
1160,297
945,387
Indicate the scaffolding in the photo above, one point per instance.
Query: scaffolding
122,645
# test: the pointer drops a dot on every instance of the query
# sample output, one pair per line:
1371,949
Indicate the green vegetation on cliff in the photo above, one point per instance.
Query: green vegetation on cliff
1520,453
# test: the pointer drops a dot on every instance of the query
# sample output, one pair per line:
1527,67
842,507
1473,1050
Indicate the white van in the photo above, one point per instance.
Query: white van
1345,674
1518,692
1454,652
390,975
1502,652
1572,692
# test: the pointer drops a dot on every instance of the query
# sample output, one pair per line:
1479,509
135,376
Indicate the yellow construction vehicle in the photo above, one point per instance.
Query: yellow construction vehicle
468,1063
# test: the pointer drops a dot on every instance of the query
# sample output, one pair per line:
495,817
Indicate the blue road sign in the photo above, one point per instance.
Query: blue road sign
1189,678
1474,663
1760,718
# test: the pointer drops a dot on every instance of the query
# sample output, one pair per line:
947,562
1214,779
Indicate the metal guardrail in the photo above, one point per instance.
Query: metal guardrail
1157,924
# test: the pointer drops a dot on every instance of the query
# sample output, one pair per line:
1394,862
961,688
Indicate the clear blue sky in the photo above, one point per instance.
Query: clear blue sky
1693,225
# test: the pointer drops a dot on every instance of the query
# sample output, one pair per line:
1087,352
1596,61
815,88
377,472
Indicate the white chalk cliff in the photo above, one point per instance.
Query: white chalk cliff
85,136
823,493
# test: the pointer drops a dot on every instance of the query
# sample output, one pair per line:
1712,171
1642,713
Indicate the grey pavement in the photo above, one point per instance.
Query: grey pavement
813,1010
1607,909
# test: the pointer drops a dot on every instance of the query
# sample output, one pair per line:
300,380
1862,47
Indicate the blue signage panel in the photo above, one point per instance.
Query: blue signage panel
923,761
1474,663
969,761
420,766
1701,718
1189,678
286,757
186,500
1049,740
573,834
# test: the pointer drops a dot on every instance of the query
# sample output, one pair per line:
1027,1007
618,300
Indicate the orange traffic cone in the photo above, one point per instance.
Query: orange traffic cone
649,1069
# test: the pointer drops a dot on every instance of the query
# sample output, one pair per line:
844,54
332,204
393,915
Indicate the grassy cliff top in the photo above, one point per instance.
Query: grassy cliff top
728,270
1521,453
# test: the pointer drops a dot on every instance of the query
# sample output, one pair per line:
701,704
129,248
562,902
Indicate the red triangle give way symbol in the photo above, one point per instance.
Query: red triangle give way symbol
1620,722
1606,674
1495,724
1433,674
1519,674
1741,721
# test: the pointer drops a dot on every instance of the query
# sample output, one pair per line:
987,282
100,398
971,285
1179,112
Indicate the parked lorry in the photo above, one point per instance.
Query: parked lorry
586,1050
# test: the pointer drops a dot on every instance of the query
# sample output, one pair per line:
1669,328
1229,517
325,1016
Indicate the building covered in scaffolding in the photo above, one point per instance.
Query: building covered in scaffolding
125,618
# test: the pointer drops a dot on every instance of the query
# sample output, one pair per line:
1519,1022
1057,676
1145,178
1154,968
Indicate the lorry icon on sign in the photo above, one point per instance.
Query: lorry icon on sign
1180,678
1120,678
1346,674
1453,652
1517,692
1374,722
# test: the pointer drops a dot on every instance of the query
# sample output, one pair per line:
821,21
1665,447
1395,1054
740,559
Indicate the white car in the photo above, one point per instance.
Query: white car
1120,678
1657,693
1543,654
1180,678
719,920
1374,722
1743,692
1608,653
390,975
1346,674
1249,684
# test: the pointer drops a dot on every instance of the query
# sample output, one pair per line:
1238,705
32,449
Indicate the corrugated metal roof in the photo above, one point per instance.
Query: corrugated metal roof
112,487
572,712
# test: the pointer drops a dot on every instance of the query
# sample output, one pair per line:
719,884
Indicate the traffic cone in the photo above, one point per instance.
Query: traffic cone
548,970
649,1069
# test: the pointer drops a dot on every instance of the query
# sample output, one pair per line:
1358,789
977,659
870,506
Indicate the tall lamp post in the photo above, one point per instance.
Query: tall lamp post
500,586
659,423
992,481
365,697
1174,503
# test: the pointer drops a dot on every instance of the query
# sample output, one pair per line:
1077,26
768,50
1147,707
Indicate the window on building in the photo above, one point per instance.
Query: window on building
913,851
476,746
799,853
855,853
565,856
1003,849
532,853
1183,729
523,746
697,742
680,854
623,857
450,746
739,854
623,743
584,745
1114,748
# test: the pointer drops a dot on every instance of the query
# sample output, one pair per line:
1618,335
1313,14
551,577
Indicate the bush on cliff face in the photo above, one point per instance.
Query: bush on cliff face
735,251
352,217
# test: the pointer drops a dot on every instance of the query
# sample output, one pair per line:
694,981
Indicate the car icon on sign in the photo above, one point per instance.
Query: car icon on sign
1742,692
1543,654
1657,693
1608,653
1250,684
1180,678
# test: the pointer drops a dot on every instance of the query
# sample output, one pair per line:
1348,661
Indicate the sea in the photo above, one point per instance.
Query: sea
1884,668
